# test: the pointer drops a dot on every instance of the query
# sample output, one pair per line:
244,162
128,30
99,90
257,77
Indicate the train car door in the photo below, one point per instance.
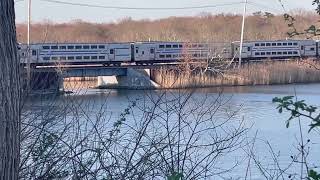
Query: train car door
112,54
152,53
302,50
23,54
34,54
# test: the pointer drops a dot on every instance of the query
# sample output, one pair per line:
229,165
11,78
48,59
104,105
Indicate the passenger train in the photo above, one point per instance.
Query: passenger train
162,52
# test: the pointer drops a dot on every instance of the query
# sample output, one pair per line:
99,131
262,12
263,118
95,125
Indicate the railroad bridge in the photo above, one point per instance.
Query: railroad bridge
45,78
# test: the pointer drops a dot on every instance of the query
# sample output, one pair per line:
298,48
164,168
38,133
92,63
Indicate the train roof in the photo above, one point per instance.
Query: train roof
283,40
75,43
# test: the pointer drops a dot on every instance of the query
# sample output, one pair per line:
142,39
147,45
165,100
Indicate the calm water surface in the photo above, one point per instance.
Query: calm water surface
256,108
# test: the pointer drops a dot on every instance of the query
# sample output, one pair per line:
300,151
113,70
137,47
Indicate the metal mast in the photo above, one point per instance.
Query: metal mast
242,31
29,21
28,46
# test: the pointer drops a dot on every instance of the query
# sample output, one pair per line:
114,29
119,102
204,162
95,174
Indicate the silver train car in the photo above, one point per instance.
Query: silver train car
76,53
163,52
280,49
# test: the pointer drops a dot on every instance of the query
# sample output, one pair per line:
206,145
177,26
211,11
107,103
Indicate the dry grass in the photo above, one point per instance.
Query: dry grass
263,73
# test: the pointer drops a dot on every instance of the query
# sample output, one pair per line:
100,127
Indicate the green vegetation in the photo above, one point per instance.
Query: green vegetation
298,109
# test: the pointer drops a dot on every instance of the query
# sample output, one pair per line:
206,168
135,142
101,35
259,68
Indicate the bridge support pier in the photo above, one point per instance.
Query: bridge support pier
43,83
134,79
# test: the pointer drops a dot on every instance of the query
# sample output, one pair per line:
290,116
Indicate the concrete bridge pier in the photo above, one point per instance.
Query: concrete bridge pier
134,79
43,83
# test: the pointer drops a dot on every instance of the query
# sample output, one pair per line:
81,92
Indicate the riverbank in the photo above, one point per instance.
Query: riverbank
262,73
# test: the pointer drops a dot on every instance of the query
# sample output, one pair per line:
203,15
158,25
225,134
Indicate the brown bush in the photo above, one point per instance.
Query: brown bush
205,27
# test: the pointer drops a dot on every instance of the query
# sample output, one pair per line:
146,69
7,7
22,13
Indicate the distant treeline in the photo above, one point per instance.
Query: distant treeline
205,27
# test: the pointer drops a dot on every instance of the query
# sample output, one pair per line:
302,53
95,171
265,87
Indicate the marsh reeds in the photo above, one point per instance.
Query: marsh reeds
258,73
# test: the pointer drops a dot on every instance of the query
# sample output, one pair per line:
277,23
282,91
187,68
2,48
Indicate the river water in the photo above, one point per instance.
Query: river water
254,106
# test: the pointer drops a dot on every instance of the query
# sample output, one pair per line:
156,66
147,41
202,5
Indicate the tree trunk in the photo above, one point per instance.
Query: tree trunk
10,95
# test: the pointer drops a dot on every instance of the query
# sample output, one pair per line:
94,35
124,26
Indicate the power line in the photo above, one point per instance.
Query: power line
282,5
142,8
263,6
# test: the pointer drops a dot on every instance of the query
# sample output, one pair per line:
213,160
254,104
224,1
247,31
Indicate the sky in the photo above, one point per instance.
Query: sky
42,10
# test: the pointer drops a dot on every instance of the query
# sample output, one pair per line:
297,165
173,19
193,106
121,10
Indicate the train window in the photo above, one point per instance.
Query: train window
46,58
257,44
86,57
78,47
295,52
94,47
289,44
274,44
111,51
263,53
86,47
54,47
257,53
70,47
34,52
290,52
268,44
279,53
168,46
295,44
285,53
285,44
54,58
94,57
312,49
63,58
101,57
263,44
175,46
78,57
70,57
175,56
279,44
161,56
102,47
268,53
302,47
180,46
168,56
249,48
62,47
45,47
200,45
152,51
194,45
161,46
274,53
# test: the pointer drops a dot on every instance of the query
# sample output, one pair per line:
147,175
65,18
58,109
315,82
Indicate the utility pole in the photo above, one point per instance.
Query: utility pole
29,21
242,32
28,46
